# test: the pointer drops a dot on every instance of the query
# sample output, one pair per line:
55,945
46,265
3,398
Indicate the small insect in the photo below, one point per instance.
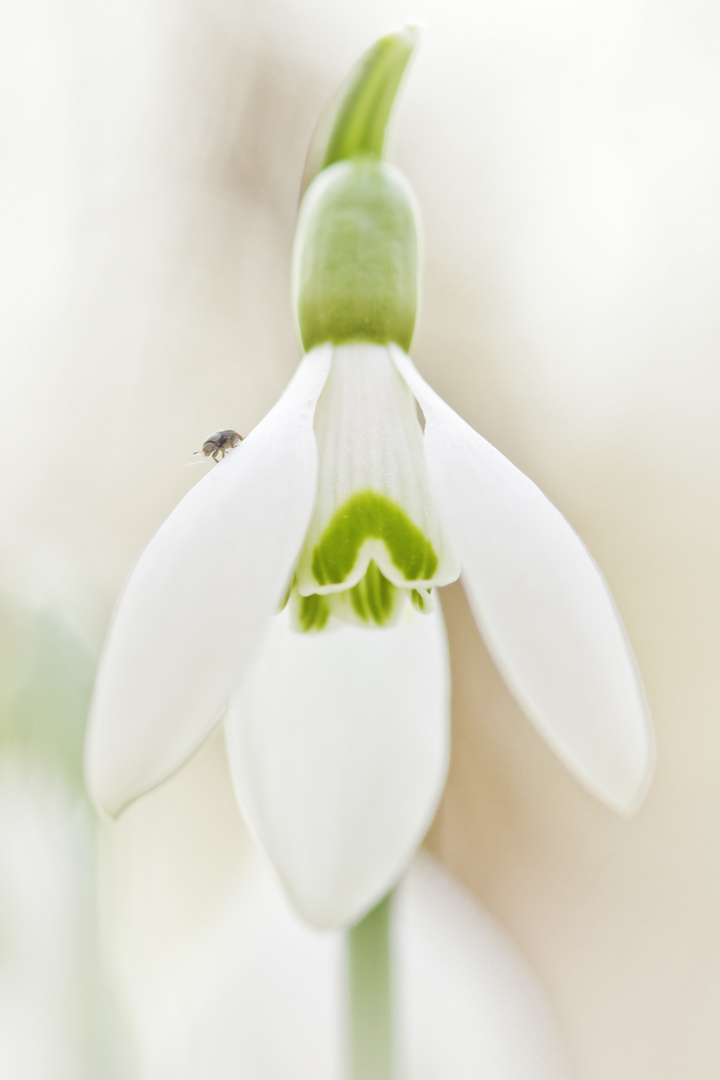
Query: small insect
219,443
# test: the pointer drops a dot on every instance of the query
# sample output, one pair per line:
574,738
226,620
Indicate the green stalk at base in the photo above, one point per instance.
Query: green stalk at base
370,1042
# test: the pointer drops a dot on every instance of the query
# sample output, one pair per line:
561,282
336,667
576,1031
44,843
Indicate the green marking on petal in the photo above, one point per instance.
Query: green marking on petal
312,612
422,600
367,515
374,601
374,598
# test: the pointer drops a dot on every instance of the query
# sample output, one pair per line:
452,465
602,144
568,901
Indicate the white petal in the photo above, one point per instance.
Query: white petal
338,746
201,593
542,606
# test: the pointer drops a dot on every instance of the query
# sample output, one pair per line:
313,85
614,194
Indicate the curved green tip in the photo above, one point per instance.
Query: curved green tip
362,117
355,261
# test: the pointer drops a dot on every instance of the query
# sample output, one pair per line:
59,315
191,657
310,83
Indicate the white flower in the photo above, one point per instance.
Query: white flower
346,508
338,736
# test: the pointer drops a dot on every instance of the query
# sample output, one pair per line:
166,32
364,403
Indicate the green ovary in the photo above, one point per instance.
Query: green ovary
374,600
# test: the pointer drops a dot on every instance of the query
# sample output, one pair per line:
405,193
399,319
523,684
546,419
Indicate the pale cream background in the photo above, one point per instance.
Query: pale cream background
567,159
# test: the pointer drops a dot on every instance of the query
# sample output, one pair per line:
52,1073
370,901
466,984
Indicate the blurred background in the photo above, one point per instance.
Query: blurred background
567,160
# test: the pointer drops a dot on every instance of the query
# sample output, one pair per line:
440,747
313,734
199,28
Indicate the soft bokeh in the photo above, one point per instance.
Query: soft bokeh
567,159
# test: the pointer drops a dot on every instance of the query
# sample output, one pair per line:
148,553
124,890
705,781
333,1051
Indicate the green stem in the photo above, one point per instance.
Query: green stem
362,118
354,123
370,1012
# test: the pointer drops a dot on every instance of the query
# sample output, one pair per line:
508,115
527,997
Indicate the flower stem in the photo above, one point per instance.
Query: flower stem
370,1013
369,95
354,123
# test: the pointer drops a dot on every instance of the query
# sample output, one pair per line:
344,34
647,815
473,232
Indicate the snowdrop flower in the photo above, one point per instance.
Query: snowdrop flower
293,589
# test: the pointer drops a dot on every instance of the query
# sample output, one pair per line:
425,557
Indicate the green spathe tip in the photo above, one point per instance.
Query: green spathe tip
361,108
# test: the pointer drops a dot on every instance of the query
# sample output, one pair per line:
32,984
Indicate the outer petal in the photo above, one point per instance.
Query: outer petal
541,604
338,747
201,593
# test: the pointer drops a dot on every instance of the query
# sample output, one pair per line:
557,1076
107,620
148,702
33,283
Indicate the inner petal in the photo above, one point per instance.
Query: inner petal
373,507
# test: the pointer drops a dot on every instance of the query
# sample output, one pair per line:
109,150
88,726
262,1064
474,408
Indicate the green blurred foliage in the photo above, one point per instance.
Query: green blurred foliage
46,674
